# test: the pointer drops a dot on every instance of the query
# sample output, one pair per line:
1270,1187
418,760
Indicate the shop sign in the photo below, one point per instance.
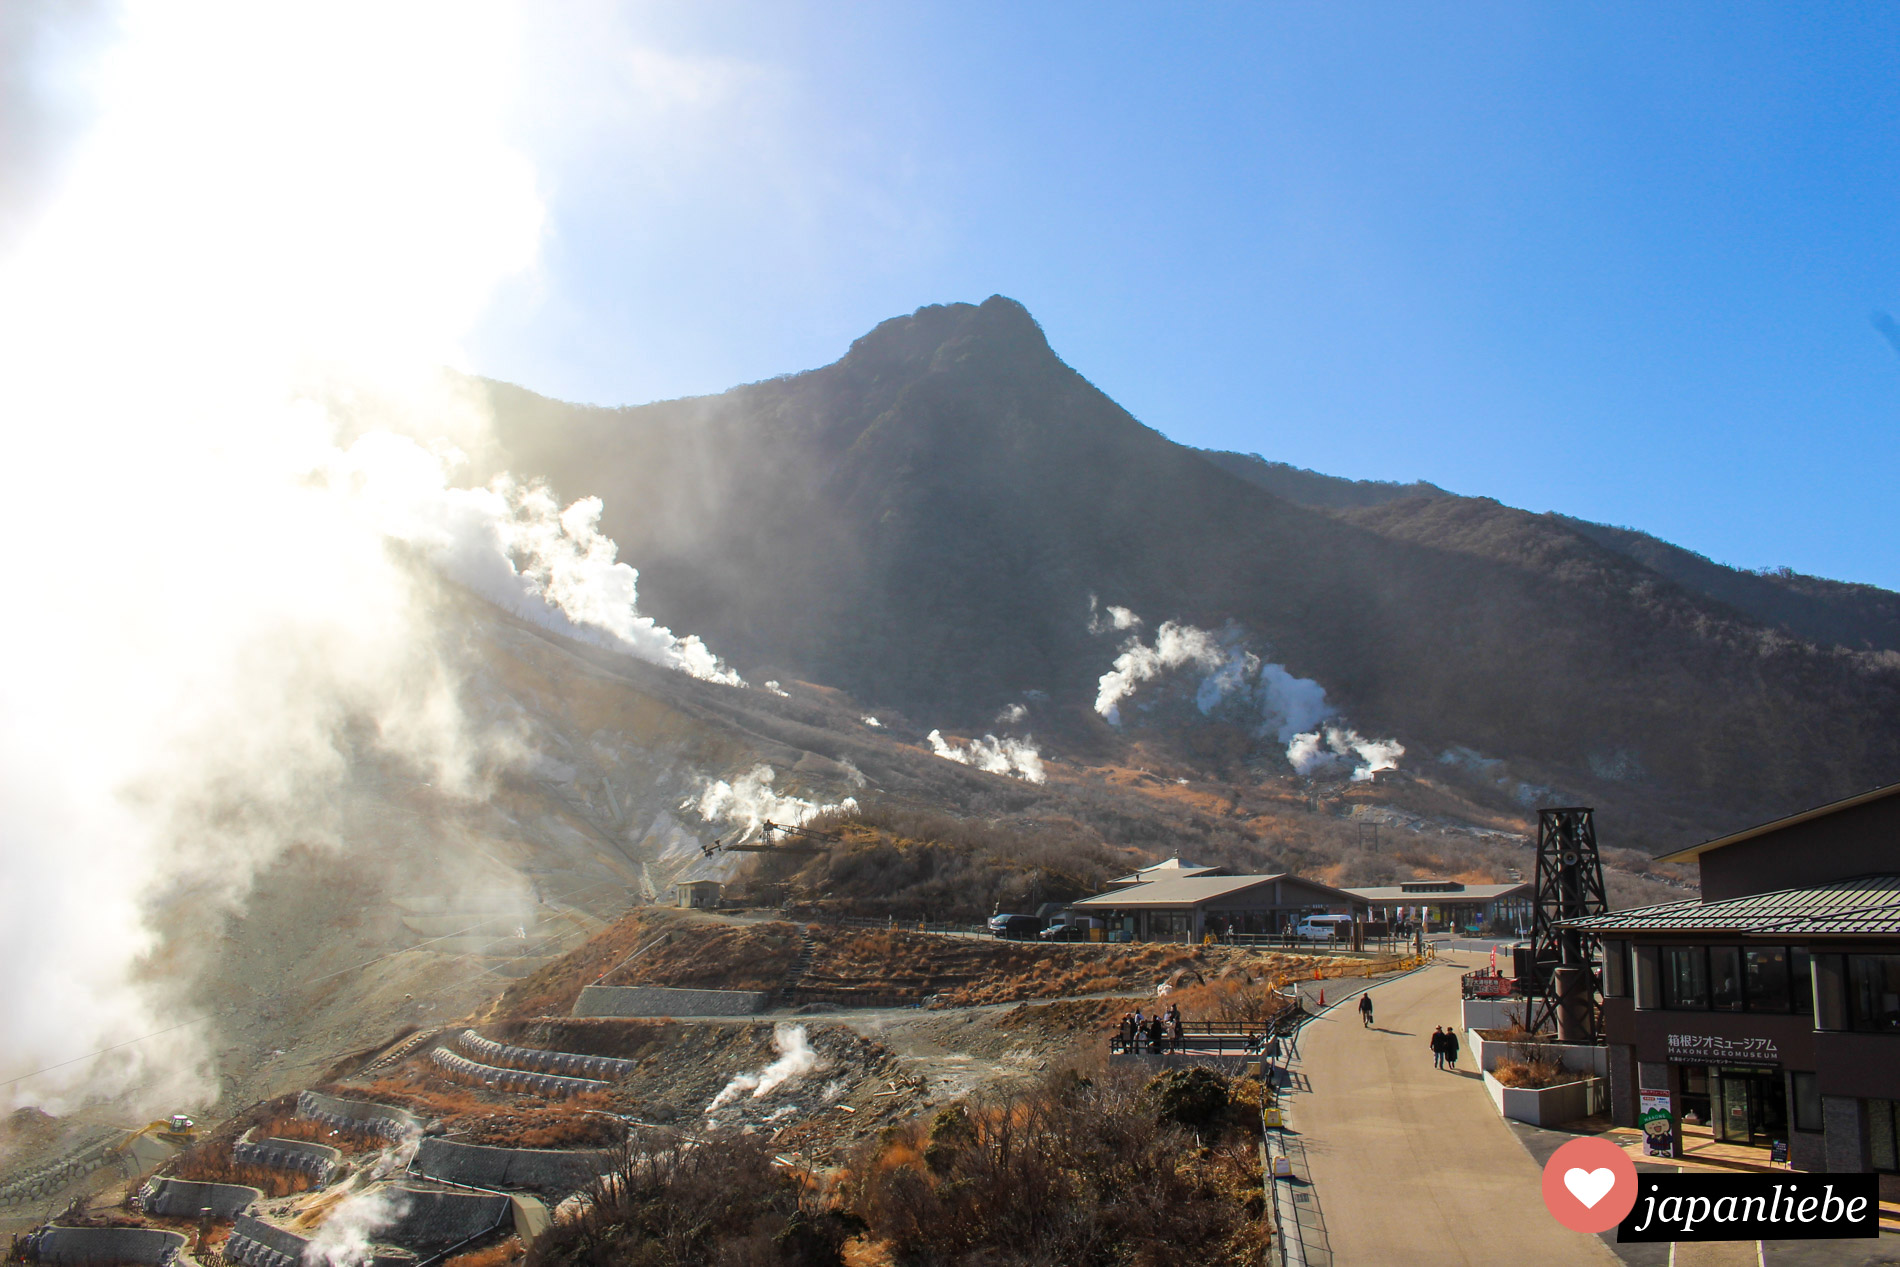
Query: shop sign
1703,1049
1659,1127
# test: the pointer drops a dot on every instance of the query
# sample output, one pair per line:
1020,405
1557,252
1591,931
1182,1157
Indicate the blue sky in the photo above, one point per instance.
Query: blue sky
1617,261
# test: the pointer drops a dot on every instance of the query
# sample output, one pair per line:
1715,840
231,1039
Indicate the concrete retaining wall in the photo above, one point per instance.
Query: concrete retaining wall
183,1199
543,1061
319,1161
652,1000
511,1079
38,1184
538,1169
383,1120
101,1246
433,1221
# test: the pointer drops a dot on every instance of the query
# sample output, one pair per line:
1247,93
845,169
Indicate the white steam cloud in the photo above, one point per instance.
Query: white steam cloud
345,1237
751,802
221,401
795,1059
1016,758
516,546
1287,707
1012,715
1119,618
1340,747
1283,705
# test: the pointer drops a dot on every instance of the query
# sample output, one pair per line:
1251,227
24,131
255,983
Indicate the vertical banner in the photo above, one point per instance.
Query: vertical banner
1659,1127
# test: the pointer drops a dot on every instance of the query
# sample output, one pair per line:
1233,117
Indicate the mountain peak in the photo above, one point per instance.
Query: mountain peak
940,333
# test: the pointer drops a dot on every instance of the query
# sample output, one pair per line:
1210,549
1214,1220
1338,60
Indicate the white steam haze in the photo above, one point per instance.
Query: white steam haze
1017,758
1281,704
345,1237
751,802
1338,747
220,346
795,1059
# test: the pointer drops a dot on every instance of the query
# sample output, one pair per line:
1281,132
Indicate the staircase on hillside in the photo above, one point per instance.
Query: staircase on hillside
788,985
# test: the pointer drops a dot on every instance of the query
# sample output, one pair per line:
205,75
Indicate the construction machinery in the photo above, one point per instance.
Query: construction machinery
779,838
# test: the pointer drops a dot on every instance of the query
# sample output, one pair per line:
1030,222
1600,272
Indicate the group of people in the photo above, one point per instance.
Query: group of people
1157,1034
1445,1048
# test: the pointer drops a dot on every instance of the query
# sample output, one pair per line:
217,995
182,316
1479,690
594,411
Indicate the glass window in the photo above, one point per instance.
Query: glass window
1766,969
1725,978
1873,984
1801,981
1685,977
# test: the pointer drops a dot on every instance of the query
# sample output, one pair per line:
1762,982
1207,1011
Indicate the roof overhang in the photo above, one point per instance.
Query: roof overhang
1792,820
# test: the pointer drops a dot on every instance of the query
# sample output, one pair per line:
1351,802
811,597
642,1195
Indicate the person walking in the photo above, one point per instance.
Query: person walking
1174,1031
1365,1010
1273,1055
1438,1048
1451,1049
1157,1036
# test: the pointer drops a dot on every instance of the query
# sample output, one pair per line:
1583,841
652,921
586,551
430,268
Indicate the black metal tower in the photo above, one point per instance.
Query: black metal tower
1564,960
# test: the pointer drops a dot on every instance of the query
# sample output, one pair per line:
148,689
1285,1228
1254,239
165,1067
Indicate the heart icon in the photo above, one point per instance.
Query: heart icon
1589,1186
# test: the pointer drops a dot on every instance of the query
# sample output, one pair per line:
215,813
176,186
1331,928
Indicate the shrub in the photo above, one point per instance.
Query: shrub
1191,1097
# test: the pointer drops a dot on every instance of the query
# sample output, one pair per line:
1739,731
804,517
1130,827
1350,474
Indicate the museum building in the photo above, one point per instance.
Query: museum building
1768,1011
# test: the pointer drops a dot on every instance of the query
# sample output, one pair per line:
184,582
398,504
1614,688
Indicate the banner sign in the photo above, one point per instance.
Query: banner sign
1808,1206
1659,1127
1710,1049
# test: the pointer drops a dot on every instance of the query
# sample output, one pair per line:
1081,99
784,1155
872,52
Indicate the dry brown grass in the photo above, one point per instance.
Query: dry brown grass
484,1115
209,1167
499,1255
1532,1072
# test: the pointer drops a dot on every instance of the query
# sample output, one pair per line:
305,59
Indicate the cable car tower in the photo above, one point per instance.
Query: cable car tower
1568,982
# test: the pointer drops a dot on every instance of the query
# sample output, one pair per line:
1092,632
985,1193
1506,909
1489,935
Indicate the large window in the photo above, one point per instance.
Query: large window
1725,978
1755,978
1685,977
1801,981
1766,968
1874,986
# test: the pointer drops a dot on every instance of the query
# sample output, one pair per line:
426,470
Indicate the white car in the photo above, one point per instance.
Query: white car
1324,928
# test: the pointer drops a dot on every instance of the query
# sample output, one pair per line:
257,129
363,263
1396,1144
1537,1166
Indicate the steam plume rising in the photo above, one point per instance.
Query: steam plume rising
1283,704
1337,746
218,368
795,1059
1017,758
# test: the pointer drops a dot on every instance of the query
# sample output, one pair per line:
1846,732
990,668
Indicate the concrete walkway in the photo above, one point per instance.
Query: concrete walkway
1410,1164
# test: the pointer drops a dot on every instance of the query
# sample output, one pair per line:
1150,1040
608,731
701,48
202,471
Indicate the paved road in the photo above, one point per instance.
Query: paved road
1410,1164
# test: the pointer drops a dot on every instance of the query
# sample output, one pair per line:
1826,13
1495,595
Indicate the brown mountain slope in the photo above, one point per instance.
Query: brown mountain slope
924,522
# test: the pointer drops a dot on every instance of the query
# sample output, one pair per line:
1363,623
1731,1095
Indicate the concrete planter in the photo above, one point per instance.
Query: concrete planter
1592,1062
1547,1106
1494,1013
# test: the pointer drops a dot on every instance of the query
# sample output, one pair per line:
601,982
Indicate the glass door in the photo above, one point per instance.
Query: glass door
1734,1111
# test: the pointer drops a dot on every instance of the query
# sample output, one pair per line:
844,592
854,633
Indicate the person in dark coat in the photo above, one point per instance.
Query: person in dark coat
1157,1035
1451,1049
1438,1048
1174,1031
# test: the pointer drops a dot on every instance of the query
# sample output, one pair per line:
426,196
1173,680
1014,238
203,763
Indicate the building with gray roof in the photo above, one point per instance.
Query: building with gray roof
1193,903
1768,1010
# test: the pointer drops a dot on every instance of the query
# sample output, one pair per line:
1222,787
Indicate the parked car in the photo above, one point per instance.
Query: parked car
1015,927
1070,928
1324,928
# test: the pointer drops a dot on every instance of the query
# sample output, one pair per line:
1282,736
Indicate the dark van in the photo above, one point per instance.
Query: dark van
1015,927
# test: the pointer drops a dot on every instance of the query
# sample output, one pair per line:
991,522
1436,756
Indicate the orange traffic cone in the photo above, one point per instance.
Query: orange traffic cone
1322,998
